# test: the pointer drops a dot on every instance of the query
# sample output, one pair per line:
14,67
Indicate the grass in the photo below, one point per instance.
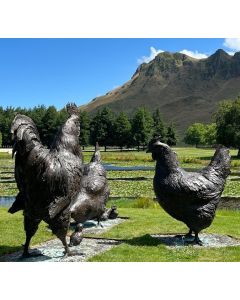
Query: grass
140,246
12,232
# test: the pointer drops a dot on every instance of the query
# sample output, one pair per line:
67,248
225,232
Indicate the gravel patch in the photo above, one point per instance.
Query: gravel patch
209,240
52,251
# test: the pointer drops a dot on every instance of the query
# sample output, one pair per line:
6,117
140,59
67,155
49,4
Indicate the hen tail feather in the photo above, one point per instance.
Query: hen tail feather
219,164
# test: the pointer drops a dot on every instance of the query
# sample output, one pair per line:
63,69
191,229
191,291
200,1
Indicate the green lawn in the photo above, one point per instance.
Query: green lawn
140,246
12,234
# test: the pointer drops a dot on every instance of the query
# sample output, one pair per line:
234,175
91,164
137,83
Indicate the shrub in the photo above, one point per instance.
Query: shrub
145,202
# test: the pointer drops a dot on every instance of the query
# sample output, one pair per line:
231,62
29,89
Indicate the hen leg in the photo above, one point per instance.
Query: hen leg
67,251
30,227
197,240
99,223
189,234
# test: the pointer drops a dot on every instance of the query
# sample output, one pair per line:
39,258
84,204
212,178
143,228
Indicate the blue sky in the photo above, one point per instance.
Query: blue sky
56,71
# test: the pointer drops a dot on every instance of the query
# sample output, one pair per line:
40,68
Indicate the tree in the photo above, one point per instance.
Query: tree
142,124
228,124
84,128
195,134
6,118
37,114
210,134
171,138
102,127
122,130
158,125
0,139
49,122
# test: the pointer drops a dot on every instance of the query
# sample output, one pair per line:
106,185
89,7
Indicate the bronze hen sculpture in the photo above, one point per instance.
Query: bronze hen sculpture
91,201
48,179
189,197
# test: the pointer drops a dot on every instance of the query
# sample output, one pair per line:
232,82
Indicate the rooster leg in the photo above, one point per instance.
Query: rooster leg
30,227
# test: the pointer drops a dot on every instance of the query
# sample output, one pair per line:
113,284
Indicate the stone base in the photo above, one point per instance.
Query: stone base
209,240
52,251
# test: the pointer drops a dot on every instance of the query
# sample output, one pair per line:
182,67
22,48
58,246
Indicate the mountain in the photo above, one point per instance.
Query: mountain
185,89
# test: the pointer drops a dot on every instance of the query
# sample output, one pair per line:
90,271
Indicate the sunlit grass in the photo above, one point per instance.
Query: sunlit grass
140,246
12,234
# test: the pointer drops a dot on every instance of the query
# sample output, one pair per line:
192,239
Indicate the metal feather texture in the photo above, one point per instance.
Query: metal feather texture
48,179
190,197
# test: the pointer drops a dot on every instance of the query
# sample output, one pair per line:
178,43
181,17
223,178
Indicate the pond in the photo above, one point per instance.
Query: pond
6,201
225,202
111,167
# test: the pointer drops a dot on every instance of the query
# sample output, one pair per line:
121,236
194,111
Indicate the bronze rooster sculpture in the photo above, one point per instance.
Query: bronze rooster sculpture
48,179
189,197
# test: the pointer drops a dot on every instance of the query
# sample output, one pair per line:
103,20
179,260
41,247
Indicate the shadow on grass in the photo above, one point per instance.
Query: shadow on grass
4,250
14,254
168,240
146,240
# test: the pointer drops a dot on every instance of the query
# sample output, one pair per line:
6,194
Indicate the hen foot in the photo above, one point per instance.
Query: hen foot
197,241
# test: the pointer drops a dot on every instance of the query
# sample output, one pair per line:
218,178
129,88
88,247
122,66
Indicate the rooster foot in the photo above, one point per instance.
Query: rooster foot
70,253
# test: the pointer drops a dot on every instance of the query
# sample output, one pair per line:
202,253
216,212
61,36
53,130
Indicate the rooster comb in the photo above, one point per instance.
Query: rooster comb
72,109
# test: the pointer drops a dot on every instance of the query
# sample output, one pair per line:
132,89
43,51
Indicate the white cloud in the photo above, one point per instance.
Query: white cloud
233,44
146,59
194,54
154,52
231,52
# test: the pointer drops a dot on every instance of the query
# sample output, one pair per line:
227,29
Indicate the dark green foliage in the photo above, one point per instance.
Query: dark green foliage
122,131
158,125
84,128
142,126
228,123
171,138
102,127
0,139
50,125
6,117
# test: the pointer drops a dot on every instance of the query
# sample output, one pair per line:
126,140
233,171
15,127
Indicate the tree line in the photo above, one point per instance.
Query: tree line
225,129
106,127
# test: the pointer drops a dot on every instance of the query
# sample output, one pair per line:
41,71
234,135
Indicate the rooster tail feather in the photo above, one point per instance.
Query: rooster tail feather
25,134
